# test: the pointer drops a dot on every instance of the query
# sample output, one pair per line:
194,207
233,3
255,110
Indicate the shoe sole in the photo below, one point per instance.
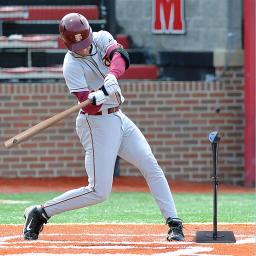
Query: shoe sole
30,236
173,239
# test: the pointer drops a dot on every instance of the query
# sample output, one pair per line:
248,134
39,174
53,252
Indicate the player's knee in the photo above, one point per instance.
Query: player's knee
101,196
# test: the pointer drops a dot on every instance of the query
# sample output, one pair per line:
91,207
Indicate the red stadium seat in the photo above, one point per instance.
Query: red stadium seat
141,72
35,29
91,12
124,40
134,72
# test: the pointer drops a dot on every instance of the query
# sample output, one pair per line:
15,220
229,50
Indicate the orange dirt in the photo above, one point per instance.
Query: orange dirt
135,184
118,239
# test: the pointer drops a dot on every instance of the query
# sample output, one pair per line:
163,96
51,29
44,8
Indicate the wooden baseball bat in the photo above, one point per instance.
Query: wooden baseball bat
43,125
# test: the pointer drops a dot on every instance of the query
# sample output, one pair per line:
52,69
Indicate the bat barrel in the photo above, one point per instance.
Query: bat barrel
29,133
43,125
11,142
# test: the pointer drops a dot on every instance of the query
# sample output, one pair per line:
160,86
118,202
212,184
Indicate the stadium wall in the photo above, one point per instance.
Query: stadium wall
209,25
175,117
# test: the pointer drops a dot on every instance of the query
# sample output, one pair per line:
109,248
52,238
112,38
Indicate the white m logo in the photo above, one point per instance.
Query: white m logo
168,16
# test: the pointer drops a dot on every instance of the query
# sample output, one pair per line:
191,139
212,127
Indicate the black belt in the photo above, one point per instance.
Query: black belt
110,111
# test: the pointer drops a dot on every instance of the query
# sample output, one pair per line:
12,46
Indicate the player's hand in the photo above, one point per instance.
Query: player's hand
97,98
110,85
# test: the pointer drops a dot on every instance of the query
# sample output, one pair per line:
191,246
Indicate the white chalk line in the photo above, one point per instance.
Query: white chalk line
37,242
180,251
250,240
195,252
6,238
177,248
84,235
2,201
99,247
191,251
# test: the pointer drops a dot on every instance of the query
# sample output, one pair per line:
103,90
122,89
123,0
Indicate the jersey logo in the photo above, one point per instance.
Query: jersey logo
78,37
106,61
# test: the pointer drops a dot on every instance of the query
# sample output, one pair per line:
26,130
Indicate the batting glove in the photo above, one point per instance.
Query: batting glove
110,85
97,98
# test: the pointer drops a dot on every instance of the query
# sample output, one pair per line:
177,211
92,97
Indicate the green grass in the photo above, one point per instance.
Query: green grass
138,208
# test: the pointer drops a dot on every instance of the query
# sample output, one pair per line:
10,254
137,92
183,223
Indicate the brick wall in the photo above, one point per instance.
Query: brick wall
175,117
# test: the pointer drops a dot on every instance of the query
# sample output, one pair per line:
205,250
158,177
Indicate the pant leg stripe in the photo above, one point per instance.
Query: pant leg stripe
94,174
71,198
93,155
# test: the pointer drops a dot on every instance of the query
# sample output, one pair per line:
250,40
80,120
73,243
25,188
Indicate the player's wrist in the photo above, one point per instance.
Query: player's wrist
97,98
104,90
110,85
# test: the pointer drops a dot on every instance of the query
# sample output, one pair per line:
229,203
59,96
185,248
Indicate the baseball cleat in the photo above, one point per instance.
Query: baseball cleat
176,230
35,218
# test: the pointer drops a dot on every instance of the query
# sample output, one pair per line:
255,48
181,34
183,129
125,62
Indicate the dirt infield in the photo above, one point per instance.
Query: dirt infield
135,184
118,239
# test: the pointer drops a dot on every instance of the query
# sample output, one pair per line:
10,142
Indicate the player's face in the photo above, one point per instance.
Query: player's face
84,52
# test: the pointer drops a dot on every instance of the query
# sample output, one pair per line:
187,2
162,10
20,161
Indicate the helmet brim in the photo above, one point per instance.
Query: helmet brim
82,44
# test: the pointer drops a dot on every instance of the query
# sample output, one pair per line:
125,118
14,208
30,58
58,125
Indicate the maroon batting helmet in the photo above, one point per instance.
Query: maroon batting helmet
75,31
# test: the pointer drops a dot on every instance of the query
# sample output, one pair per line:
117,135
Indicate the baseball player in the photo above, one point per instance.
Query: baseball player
91,69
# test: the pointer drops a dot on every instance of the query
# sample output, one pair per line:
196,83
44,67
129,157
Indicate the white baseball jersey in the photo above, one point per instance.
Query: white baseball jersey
106,136
88,73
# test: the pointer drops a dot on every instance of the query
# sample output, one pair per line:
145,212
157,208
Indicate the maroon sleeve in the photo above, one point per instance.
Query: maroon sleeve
90,108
